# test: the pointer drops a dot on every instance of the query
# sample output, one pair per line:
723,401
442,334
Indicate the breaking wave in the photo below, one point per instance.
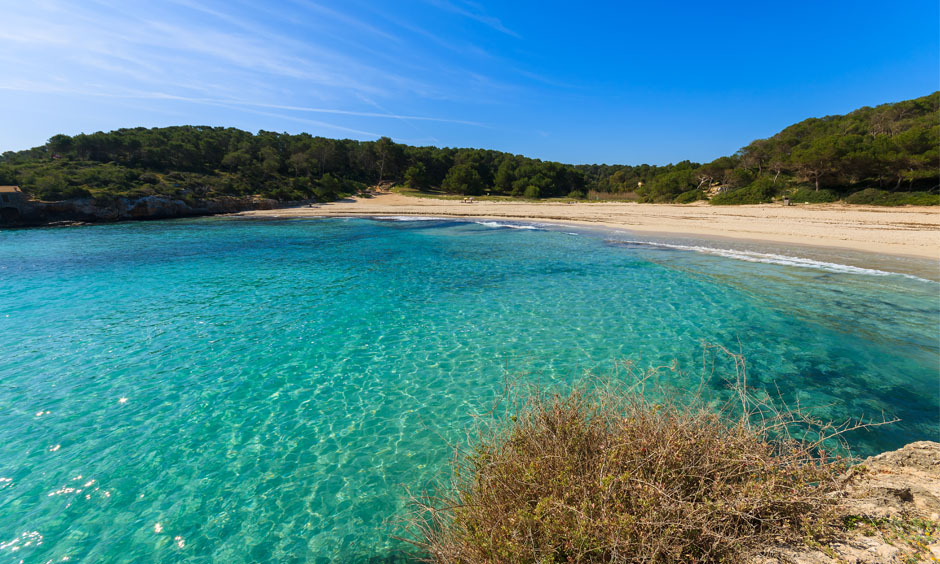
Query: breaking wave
408,218
771,258
496,224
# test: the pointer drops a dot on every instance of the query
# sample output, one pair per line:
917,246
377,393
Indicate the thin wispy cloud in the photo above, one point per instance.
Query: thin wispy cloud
47,89
365,72
474,11
386,115
359,132
544,79
383,115
456,72
345,19
462,48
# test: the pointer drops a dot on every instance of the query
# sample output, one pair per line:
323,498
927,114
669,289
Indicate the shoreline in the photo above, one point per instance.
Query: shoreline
909,232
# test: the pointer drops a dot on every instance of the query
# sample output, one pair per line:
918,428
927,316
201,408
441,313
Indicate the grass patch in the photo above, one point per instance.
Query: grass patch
633,473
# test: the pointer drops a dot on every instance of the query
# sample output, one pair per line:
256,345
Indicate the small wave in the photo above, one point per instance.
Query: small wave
772,258
496,224
408,218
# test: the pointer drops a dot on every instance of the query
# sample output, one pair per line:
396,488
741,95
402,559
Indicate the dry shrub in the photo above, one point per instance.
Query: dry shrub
606,473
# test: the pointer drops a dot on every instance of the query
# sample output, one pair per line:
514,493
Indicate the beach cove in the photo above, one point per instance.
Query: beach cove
904,231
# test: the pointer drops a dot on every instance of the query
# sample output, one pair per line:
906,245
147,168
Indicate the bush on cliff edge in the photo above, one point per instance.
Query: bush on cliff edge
606,474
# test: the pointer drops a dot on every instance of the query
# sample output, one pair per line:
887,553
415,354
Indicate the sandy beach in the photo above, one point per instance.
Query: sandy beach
904,231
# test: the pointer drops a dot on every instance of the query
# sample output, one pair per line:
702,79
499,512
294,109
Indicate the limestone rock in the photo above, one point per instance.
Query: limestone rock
904,482
901,484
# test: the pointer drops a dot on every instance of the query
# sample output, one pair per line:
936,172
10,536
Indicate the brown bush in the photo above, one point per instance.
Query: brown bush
604,473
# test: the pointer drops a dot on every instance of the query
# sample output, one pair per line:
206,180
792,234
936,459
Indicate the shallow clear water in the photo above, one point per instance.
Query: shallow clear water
225,390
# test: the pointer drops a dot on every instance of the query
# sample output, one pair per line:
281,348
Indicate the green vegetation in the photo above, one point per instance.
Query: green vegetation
875,197
608,473
894,148
206,162
761,191
888,155
911,533
690,196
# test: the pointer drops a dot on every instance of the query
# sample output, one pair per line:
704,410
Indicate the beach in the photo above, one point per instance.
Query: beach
902,231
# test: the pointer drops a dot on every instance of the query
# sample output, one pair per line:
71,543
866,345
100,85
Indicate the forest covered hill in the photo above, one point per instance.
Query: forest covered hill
889,154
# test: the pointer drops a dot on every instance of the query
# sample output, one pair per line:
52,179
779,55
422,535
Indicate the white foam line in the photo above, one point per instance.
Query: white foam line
409,218
772,258
496,224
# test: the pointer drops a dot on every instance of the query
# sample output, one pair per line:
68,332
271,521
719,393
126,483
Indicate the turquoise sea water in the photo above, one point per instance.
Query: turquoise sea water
229,390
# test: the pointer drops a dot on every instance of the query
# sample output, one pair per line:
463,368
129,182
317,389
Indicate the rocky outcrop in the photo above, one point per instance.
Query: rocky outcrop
89,210
900,483
891,504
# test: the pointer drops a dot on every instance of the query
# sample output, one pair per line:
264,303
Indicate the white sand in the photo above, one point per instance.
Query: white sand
904,231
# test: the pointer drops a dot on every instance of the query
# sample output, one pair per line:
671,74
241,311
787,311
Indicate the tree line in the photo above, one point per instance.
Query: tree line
892,149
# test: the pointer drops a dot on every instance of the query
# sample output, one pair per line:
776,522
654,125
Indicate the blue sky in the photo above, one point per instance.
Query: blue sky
614,82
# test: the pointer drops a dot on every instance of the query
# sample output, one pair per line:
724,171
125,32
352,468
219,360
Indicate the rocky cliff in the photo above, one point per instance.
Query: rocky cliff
88,210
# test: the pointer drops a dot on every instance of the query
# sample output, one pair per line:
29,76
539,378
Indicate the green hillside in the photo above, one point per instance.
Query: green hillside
884,155
872,155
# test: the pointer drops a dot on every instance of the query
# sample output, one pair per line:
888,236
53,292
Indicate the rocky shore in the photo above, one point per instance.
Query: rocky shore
33,213
891,504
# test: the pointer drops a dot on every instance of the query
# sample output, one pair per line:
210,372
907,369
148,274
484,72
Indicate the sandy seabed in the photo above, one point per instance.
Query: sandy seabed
904,231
